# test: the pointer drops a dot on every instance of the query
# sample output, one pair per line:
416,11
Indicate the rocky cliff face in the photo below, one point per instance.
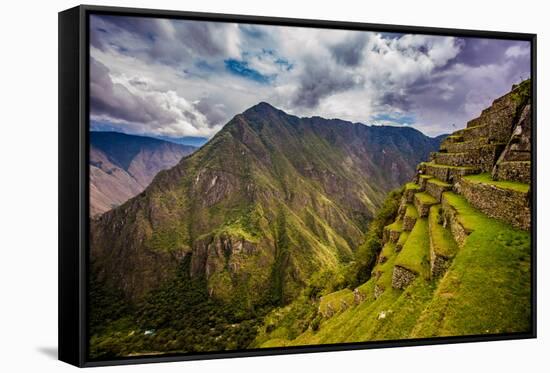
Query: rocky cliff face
271,199
121,166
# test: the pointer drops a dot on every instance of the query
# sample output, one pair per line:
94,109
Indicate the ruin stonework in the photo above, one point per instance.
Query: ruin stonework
485,167
402,277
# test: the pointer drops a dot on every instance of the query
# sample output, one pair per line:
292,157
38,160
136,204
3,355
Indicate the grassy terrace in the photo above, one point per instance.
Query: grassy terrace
386,269
495,256
441,238
335,300
432,164
415,253
439,182
454,137
395,226
425,198
427,177
412,186
485,178
411,211
403,238
388,249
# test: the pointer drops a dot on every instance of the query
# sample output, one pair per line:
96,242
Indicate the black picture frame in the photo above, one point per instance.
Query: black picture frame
73,248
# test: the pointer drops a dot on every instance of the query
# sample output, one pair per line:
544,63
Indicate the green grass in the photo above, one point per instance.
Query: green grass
439,182
411,211
415,253
432,164
454,137
412,186
442,240
487,288
485,178
427,177
395,226
335,300
403,238
425,198
388,249
386,268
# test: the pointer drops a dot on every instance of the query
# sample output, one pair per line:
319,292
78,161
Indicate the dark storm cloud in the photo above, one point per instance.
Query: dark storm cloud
191,77
117,102
321,80
349,52
161,41
398,100
214,113
477,52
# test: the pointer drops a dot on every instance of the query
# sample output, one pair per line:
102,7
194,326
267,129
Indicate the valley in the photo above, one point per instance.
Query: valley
288,231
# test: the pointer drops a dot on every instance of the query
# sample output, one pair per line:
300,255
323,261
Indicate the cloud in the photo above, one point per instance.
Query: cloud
350,51
136,107
184,77
321,80
517,51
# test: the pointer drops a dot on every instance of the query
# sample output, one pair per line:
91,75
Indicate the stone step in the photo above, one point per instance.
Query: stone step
454,138
445,172
497,127
391,232
413,260
453,207
443,247
508,201
484,157
410,190
402,240
422,202
472,133
422,180
519,171
475,122
410,217
387,251
436,187
463,146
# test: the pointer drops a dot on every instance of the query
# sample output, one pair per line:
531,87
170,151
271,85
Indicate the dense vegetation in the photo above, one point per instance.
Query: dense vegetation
179,317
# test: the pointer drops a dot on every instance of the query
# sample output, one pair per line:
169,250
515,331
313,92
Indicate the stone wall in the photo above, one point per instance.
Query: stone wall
505,204
438,263
401,277
436,189
378,291
390,235
358,296
466,146
513,171
408,223
483,157
459,232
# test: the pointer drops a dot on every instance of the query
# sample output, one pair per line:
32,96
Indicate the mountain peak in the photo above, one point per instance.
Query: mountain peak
262,108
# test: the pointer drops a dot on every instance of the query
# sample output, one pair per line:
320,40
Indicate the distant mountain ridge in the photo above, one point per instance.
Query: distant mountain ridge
266,203
122,165
196,141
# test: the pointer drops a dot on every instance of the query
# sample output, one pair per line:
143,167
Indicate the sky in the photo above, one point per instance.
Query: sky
175,78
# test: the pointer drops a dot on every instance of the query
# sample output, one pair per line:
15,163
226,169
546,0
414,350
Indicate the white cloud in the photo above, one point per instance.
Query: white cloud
517,51
343,74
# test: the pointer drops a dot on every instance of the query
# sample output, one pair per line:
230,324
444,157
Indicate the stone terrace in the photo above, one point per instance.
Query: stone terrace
488,166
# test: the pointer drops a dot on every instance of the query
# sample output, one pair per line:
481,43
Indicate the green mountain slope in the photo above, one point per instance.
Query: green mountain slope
456,258
270,191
